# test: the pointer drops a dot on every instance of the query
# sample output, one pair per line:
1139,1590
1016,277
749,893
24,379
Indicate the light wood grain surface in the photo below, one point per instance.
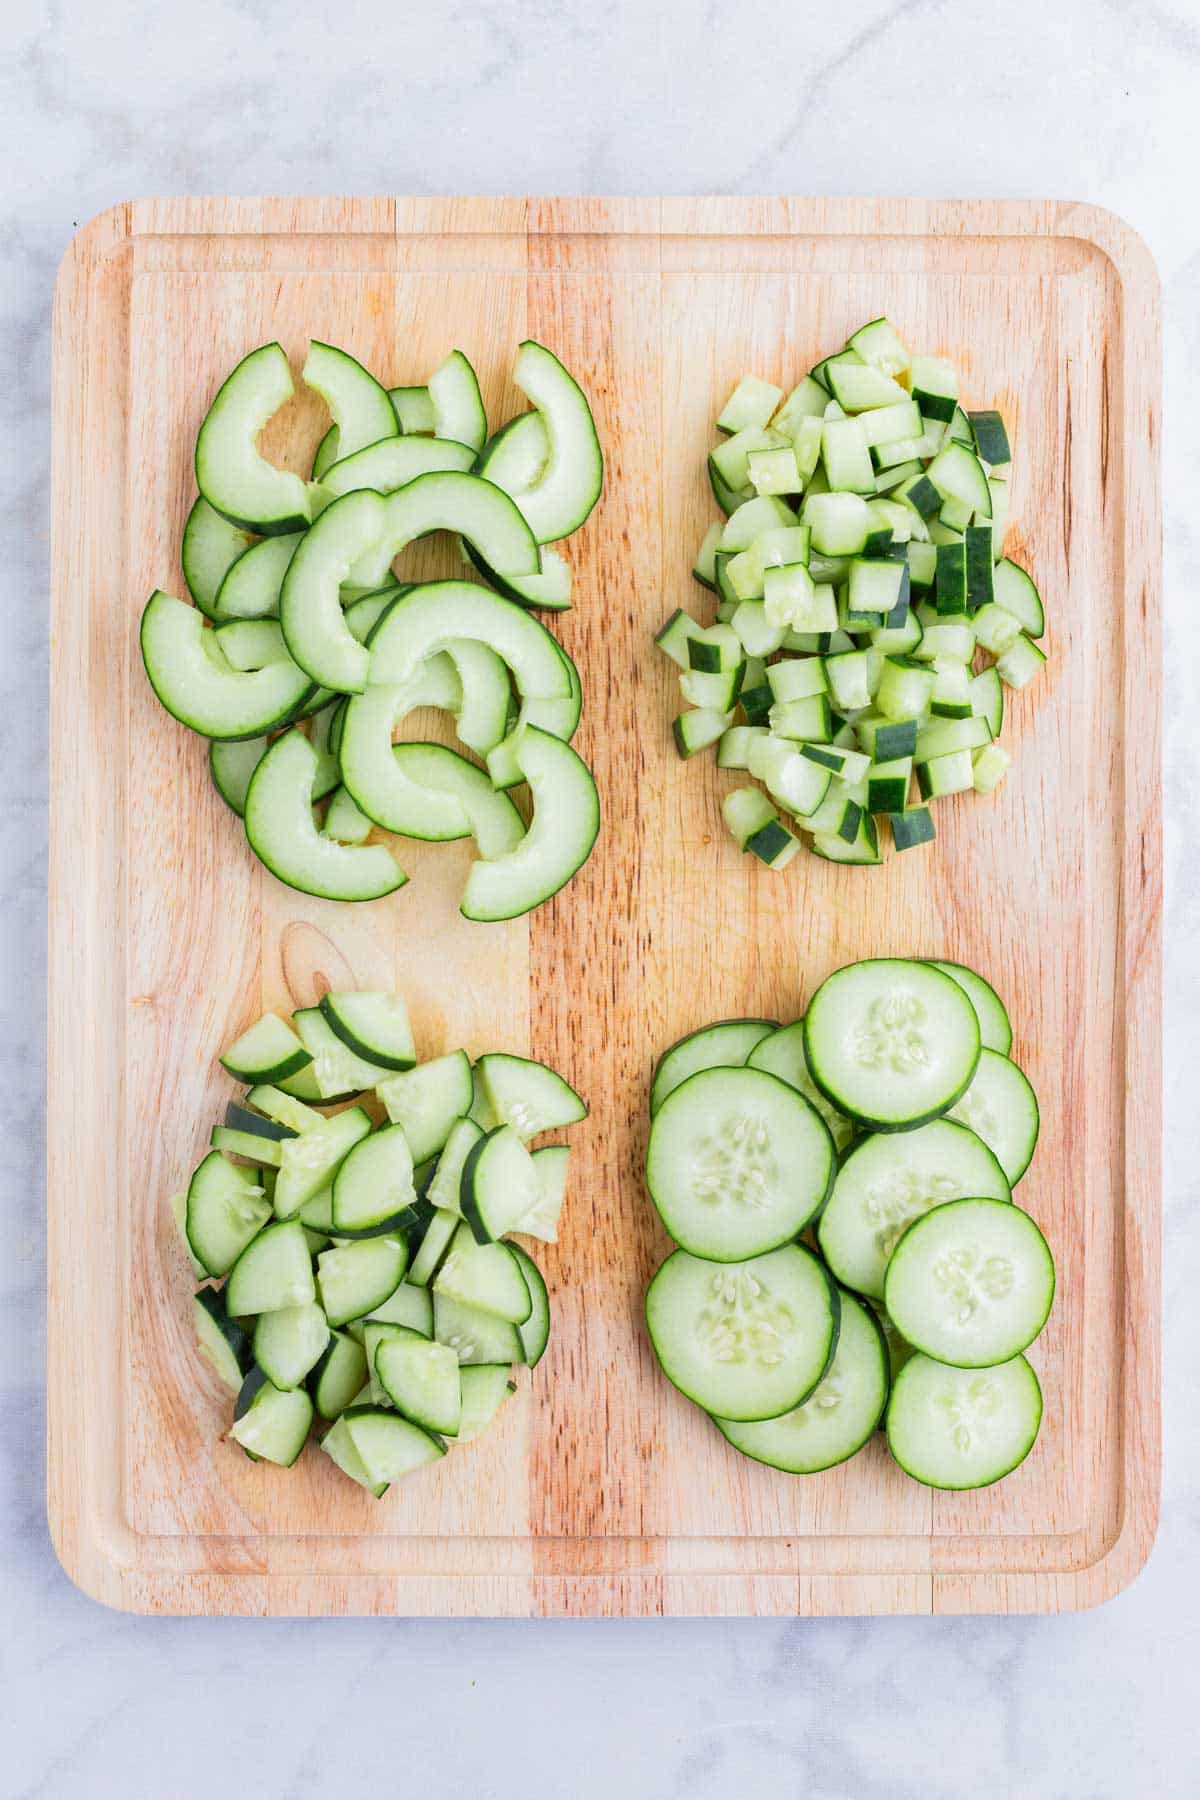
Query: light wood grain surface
600,1491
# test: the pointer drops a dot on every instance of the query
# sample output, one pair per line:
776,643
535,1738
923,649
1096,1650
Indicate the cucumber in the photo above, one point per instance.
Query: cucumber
373,1185
337,1376
389,1446
354,1279
550,1165
289,1342
569,486
231,763
499,1184
420,1377
310,613
726,1045
221,1340
273,1271
526,1095
445,1184
431,617
486,1276
198,686
271,1425
485,1388
458,412
478,1338
393,463
361,409
995,1028
1001,1107
252,584
427,1100
564,828
211,545
450,500
963,1428
534,1331
226,1209
234,478
267,1052
309,1162
780,1052
971,1283
281,832
373,1026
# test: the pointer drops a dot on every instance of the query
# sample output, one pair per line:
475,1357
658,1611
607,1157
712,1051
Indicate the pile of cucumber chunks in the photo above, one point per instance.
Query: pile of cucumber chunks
859,569
358,1274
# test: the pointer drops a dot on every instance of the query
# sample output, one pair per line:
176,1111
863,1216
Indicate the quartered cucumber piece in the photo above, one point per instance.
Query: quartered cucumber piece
373,1186
251,587
307,1163
354,1279
310,611
747,1340
451,500
290,1342
737,1164
891,1043
840,1415
570,483
211,545
433,616
477,1338
726,1045
427,1100
534,1331
550,1164
420,1378
388,1445
337,1375
963,1428
995,1031
374,1026
279,825
527,1095
499,1184
339,1447
220,1339
492,819
564,827
273,1271
781,1052
267,1052
231,474
226,1208
444,1188
406,1305
362,411
338,1069
197,684
271,1424
485,1388
1001,1107
886,1182
394,463
458,411
971,1283
487,1276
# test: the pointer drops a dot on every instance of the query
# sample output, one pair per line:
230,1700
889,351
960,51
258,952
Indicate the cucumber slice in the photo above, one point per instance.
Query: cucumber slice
1001,1107
550,1164
561,834
388,1445
337,1376
780,1052
445,1184
314,626
427,1100
273,1271
487,1276
515,457
534,1331
726,1045
284,1110
289,1343
433,1246
450,500
413,408
220,1339
231,764
891,1043
478,1338
325,455
394,463
362,411
434,616
485,1388
407,1305
377,779
308,1162
198,686
486,694
354,1279
339,1447
374,1026
738,1163
963,1428
493,820
226,1209
230,473
271,1425
995,1030
374,1184
280,828
245,1144
420,1378
499,1184
251,588
747,1340
569,487
527,1095
841,1414
211,546
886,1182
458,411
268,1051
241,1120
971,1283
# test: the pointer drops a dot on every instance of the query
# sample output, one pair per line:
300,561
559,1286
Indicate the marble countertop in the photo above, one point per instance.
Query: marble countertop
1089,99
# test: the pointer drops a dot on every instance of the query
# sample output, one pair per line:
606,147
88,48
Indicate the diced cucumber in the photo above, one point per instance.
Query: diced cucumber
354,1279
272,1272
426,1101
270,1424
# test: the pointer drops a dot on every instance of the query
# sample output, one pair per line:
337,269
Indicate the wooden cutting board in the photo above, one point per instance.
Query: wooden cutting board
600,1491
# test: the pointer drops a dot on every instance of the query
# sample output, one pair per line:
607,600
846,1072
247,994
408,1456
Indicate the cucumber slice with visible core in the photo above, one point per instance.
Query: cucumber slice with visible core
963,1428
727,1045
971,1283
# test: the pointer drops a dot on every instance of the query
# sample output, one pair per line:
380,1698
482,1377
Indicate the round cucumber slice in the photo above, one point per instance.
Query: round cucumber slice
451,500
394,463
1001,1107
725,1045
280,828
891,1043
192,678
995,1029
231,473
432,616
963,1428
747,1340
564,827
971,1284
737,1164
886,1182
840,1415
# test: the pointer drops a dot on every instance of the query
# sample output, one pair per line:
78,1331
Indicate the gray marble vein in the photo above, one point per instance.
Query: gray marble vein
121,97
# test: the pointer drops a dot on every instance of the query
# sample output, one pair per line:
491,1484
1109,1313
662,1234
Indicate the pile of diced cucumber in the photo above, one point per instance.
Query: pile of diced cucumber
840,1190
304,653
356,1263
859,573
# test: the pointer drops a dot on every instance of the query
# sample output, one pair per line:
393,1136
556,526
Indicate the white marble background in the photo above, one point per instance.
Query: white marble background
1088,99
